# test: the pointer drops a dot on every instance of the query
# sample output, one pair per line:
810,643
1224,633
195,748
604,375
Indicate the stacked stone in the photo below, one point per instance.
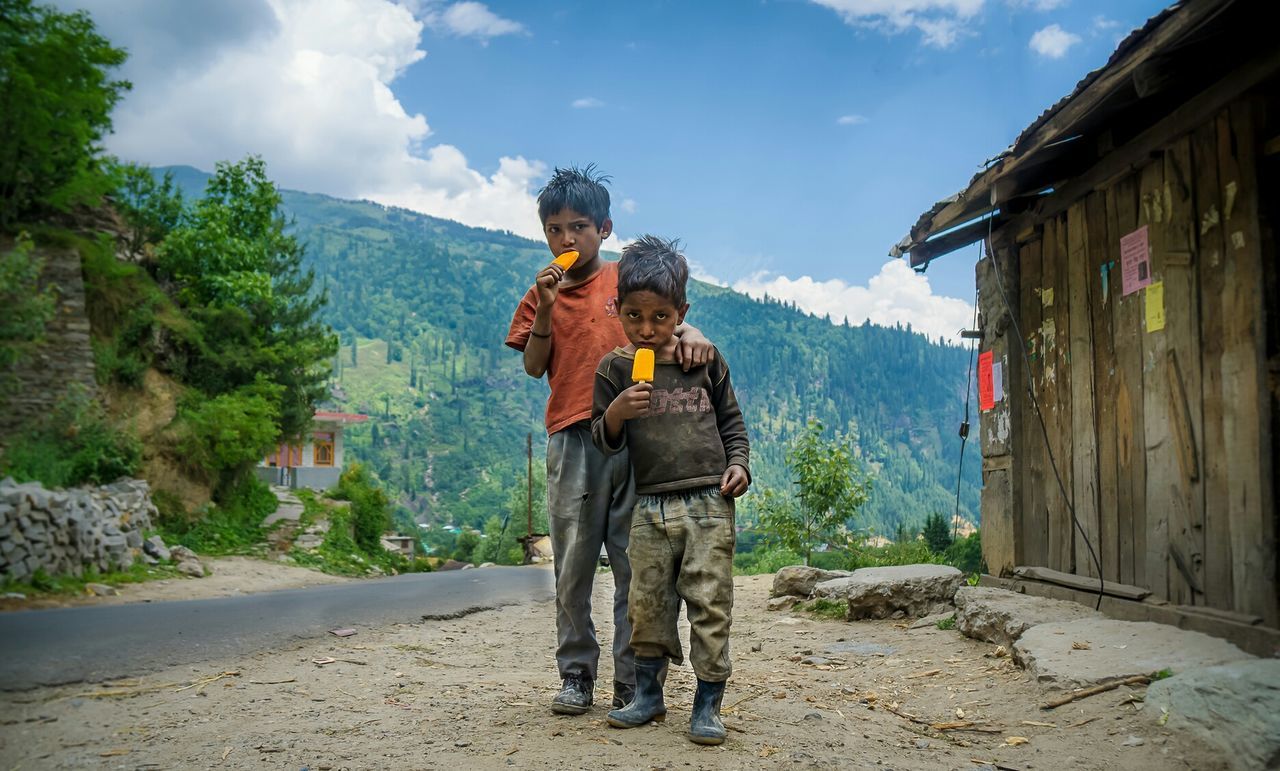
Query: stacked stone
63,361
68,531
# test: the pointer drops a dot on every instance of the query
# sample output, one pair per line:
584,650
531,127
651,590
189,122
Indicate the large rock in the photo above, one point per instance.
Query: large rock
1235,707
1087,651
1000,616
914,590
799,580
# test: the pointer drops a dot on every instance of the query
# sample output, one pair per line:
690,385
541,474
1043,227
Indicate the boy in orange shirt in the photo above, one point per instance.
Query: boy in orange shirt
564,325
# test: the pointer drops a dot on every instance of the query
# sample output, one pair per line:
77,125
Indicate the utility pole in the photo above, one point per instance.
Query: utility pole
528,446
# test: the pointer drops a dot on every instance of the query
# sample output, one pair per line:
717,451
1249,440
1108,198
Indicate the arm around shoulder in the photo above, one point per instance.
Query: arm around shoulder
729,420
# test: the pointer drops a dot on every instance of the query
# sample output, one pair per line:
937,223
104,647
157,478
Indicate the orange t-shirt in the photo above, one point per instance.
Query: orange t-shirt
584,327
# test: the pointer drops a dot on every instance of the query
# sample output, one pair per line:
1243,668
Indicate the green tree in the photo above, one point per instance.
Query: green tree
151,207
56,97
831,488
936,533
242,276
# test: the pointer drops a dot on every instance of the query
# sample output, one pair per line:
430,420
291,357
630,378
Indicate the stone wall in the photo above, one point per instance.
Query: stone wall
64,359
68,531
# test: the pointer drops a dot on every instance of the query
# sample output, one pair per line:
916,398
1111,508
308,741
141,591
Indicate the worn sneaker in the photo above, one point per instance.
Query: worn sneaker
623,693
575,697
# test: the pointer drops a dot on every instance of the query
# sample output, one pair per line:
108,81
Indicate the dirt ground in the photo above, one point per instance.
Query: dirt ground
473,693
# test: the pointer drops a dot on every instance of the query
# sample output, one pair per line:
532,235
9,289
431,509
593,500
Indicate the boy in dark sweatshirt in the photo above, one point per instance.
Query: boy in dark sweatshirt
689,452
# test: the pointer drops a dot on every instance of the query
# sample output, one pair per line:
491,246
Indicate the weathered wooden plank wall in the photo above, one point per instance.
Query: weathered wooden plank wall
1161,435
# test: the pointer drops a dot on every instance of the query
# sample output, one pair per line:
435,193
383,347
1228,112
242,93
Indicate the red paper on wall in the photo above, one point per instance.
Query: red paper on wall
986,383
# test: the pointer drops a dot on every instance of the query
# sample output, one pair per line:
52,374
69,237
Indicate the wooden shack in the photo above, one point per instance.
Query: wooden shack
1130,330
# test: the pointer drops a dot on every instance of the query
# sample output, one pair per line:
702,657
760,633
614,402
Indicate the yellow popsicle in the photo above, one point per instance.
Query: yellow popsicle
566,260
642,370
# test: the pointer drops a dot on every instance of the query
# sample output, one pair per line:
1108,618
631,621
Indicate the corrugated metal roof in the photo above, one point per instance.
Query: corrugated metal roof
974,200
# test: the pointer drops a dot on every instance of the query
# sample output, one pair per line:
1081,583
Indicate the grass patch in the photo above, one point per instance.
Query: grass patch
947,623
233,526
41,584
339,554
826,608
73,444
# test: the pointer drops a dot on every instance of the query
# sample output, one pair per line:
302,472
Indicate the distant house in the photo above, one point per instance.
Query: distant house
1129,328
317,462
400,544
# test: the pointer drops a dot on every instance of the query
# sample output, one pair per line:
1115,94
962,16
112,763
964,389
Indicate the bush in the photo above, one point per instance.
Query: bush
966,554
27,308
767,560
229,432
233,525
111,364
73,445
910,552
370,509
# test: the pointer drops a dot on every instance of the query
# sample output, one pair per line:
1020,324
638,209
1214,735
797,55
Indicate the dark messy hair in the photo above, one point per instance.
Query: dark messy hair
656,265
582,190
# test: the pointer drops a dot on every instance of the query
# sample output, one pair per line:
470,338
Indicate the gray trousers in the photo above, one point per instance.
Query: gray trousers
682,549
589,501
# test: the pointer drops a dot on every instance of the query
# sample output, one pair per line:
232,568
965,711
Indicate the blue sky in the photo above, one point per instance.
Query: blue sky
790,143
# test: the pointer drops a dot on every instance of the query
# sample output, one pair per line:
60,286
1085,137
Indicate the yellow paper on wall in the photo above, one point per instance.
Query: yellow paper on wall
1155,306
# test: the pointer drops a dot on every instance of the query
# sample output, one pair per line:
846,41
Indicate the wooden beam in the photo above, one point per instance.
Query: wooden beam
1083,583
930,250
1252,638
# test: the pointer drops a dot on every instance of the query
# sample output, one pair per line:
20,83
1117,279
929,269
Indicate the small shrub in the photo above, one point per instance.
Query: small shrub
370,508
911,552
111,365
966,554
231,431
233,525
947,623
826,608
764,560
74,444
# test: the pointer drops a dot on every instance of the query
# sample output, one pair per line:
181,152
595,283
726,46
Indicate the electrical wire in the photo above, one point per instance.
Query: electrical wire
1044,431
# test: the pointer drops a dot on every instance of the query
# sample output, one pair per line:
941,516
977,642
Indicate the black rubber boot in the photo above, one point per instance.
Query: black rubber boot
575,697
623,693
705,726
647,705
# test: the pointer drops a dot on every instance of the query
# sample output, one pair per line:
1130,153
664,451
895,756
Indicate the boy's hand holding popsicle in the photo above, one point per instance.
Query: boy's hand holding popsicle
634,402
549,278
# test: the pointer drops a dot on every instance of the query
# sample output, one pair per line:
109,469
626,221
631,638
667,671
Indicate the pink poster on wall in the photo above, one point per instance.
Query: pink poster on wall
1135,261
986,384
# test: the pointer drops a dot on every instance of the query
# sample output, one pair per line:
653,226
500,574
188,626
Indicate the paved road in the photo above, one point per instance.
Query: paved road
50,647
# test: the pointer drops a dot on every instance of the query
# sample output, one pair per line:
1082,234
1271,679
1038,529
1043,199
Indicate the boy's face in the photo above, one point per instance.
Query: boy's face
568,230
649,320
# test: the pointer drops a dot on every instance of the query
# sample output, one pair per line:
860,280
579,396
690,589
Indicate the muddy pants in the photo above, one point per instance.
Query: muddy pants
589,503
682,548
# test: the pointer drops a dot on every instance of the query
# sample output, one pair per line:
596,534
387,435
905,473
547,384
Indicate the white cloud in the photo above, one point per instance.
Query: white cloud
897,294
587,102
1053,41
939,21
1103,24
311,95
627,206
470,19
698,271
851,120
1037,5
